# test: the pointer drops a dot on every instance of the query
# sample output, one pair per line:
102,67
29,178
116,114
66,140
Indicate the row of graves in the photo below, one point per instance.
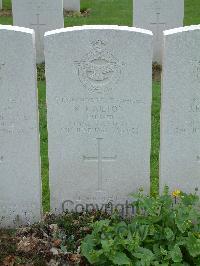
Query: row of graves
42,16
99,97
46,15
69,5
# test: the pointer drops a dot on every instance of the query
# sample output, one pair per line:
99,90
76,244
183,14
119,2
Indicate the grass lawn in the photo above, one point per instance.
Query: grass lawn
118,12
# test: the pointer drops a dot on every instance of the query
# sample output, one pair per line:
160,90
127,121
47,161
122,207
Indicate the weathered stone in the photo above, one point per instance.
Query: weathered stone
180,116
20,189
40,15
99,114
157,16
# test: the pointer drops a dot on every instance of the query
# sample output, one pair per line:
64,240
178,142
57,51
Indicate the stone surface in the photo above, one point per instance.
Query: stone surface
180,116
71,5
99,114
157,16
20,189
40,15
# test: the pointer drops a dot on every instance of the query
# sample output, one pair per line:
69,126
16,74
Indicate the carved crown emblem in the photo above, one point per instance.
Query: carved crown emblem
99,70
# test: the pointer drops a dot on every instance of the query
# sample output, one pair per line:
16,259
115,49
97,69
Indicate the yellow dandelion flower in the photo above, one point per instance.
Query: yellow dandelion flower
176,193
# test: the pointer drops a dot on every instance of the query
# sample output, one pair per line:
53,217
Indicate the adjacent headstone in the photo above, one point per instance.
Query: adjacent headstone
20,189
157,16
180,115
71,5
40,15
99,115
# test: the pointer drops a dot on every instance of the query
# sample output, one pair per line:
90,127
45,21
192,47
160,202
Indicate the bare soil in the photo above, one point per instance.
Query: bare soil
5,13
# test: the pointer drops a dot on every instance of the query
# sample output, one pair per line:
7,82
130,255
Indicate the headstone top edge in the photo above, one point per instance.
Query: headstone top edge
98,27
16,29
181,29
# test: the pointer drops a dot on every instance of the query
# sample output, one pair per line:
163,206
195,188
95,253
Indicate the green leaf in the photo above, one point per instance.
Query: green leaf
163,251
176,254
107,244
169,234
86,247
144,254
89,242
193,245
100,225
120,258
143,230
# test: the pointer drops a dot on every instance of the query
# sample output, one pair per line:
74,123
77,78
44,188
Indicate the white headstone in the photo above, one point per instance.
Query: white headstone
99,115
180,116
71,5
157,16
20,189
40,15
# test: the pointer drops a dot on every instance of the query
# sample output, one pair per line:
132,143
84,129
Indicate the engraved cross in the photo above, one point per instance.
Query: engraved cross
100,159
158,23
38,24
